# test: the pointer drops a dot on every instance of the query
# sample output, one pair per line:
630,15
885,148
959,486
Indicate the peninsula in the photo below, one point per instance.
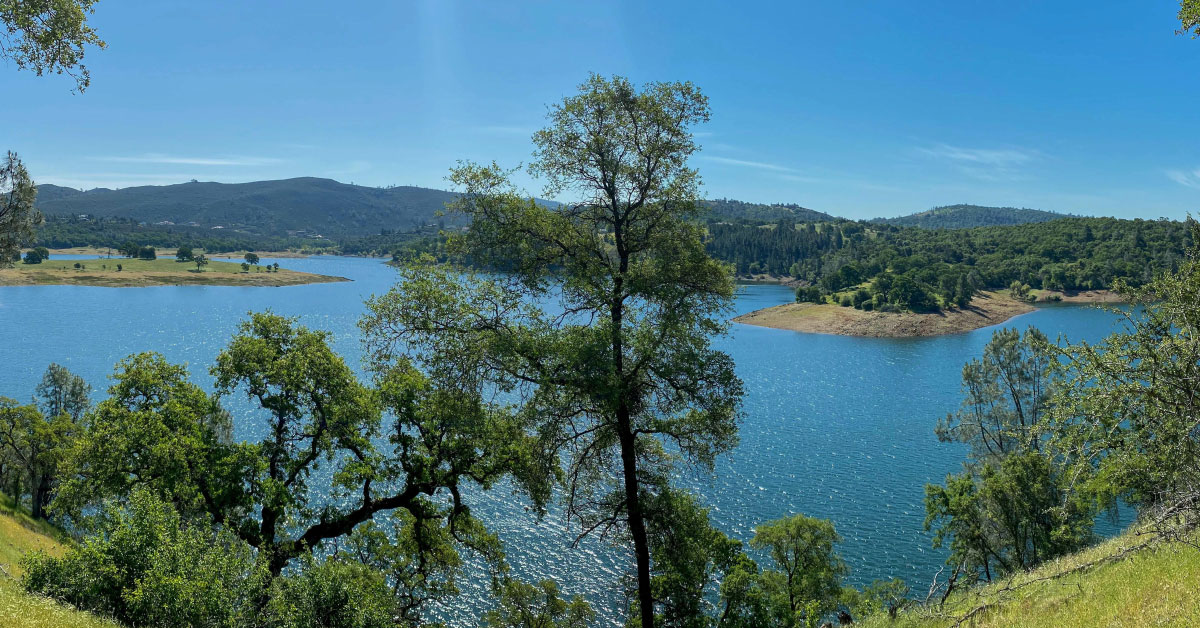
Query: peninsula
126,273
987,308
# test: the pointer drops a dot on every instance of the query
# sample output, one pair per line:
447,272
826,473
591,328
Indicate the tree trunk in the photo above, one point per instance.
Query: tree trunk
39,496
637,522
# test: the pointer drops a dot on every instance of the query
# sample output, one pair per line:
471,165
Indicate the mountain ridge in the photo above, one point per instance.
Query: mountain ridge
966,216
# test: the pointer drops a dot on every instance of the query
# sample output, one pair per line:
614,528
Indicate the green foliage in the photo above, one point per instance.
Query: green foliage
33,440
1005,396
145,566
1014,505
881,596
809,572
114,232
327,466
200,261
295,210
184,253
1126,417
525,605
331,593
969,216
18,217
63,392
251,258
944,267
1189,18
732,210
48,36
631,371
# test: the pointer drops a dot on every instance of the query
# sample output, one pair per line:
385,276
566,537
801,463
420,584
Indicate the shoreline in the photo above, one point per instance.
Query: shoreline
985,310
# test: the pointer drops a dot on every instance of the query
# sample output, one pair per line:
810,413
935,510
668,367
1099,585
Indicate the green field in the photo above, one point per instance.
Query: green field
125,272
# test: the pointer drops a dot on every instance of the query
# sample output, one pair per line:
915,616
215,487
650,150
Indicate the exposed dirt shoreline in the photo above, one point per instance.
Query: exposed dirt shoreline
987,308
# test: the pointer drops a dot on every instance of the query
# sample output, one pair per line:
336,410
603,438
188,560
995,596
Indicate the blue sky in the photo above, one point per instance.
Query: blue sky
858,109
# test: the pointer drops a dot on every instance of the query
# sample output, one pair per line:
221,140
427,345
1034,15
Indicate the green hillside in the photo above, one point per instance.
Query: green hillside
1117,583
968,216
305,206
20,533
729,209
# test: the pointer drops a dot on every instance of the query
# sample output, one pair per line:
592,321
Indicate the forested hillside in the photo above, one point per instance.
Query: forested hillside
305,206
729,209
922,269
968,216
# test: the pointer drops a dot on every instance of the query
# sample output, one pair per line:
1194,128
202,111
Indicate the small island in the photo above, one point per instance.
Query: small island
130,273
985,309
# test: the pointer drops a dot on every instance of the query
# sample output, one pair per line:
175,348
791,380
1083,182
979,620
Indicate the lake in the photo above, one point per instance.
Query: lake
835,427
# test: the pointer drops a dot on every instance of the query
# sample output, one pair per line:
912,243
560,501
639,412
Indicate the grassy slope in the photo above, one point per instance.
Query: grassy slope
20,533
1149,587
136,272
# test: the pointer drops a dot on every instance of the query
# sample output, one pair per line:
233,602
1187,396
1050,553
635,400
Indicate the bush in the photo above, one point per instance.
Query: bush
77,265
333,593
143,566
846,301
147,252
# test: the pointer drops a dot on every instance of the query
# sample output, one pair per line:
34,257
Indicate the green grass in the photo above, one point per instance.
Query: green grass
21,533
134,265
1157,586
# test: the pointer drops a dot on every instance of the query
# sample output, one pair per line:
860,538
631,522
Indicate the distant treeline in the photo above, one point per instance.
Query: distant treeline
913,268
102,232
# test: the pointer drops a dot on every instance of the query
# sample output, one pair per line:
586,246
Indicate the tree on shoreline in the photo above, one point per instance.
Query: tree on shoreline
329,471
623,383
18,216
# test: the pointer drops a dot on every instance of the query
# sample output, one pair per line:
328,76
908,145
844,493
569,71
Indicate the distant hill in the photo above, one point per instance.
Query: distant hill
309,206
729,209
305,206
968,216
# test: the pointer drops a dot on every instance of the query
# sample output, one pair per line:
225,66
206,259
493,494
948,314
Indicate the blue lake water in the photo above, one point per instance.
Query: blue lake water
835,427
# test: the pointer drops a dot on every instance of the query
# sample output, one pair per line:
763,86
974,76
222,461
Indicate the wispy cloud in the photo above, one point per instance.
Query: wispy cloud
159,158
1185,178
989,164
759,165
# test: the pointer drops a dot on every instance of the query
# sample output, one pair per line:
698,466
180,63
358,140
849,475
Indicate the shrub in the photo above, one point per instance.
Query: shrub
333,593
77,265
144,566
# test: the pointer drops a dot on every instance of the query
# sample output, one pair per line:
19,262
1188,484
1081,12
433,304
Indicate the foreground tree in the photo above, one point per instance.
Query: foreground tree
616,368
18,217
810,573
48,36
1013,506
33,443
326,465
1128,418
1189,17
200,261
